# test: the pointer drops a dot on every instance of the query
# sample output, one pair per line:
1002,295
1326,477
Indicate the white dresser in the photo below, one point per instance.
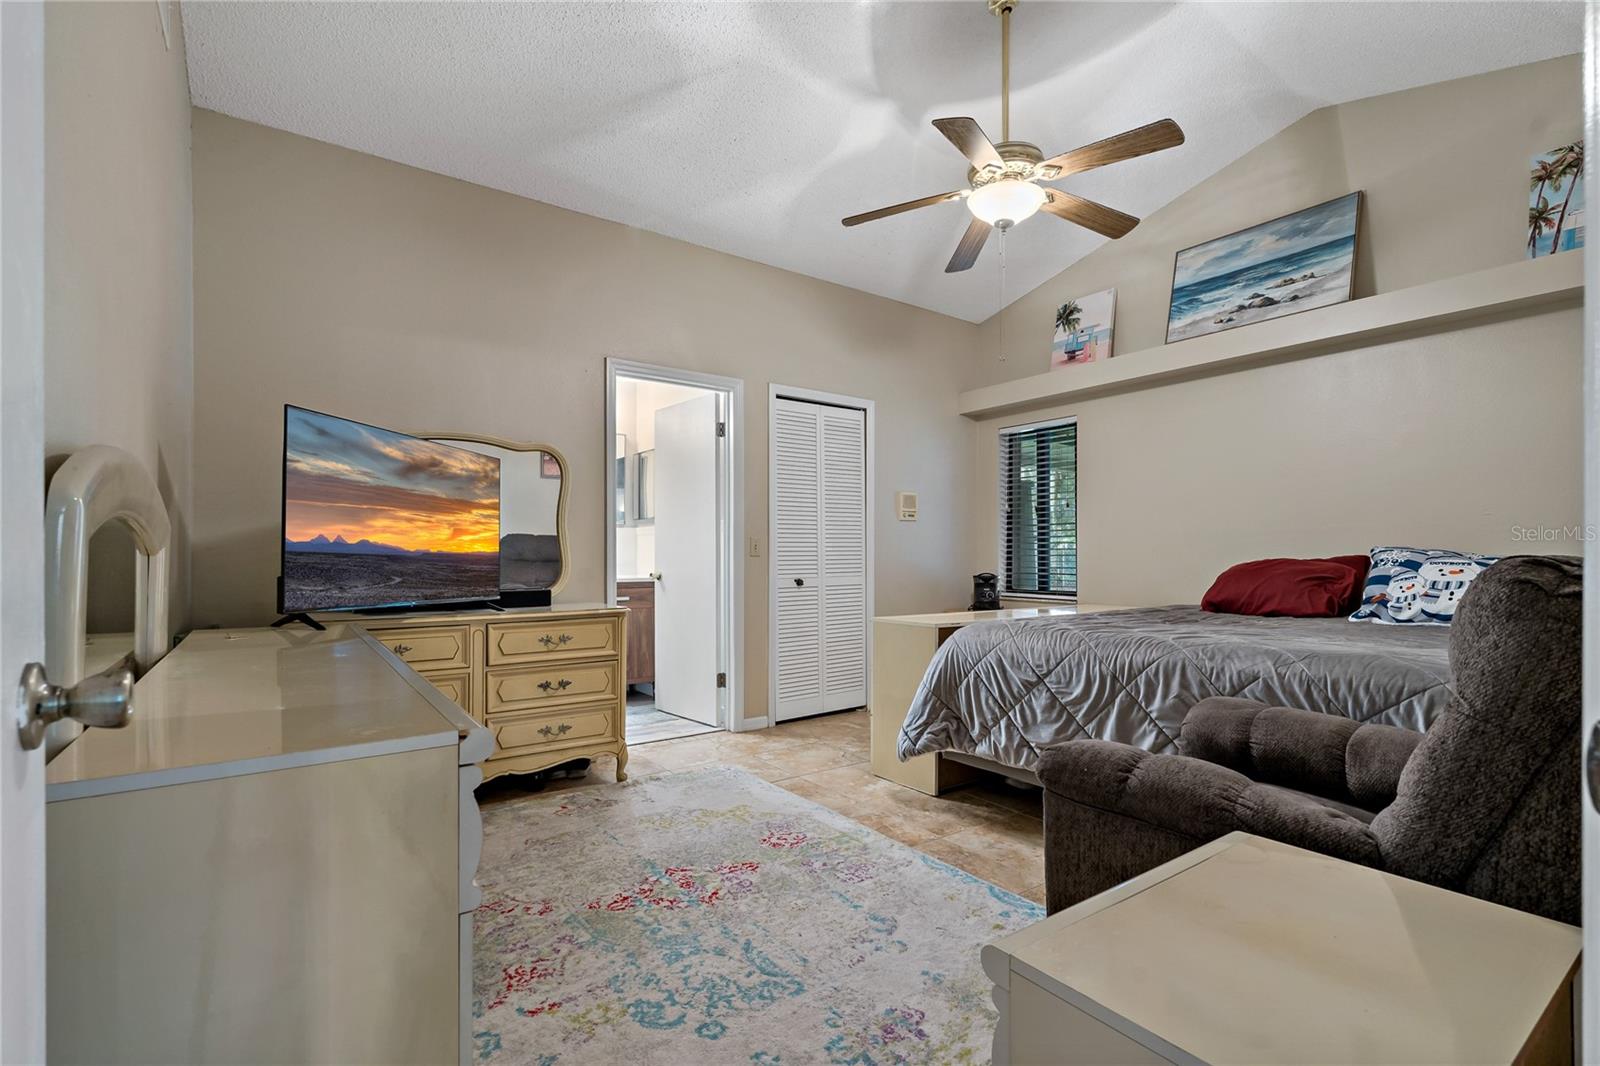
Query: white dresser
1250,951
272,863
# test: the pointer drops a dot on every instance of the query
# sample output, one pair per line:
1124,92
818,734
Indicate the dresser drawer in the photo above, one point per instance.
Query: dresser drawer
518,732
530,642
456,688
438,648
511,690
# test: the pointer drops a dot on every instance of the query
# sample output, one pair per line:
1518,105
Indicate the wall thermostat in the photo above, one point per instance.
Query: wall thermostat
905,505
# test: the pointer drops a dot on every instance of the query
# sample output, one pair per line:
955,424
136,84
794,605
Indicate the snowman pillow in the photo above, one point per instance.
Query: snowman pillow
1417,586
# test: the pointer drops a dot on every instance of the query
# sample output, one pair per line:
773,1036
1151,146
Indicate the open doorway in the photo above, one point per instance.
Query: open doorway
672,490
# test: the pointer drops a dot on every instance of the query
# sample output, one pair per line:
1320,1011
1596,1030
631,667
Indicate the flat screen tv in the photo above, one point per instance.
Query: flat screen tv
374,518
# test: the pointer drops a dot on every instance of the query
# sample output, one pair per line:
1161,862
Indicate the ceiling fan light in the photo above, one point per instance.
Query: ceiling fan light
1006,202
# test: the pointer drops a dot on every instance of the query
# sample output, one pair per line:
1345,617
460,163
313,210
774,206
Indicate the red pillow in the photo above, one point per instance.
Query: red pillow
1289,588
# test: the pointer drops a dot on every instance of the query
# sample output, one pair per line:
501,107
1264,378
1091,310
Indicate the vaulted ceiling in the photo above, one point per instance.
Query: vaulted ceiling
752,128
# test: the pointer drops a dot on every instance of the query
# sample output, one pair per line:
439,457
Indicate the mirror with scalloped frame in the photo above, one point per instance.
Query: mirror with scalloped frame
533,509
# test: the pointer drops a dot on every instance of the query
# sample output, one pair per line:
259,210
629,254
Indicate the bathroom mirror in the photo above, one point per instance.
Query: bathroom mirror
645,487
533,509
621,508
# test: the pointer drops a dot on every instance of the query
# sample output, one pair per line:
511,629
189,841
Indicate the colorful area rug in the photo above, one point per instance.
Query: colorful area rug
711,917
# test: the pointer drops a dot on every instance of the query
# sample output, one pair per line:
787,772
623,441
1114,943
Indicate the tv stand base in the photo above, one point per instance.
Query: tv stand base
299,616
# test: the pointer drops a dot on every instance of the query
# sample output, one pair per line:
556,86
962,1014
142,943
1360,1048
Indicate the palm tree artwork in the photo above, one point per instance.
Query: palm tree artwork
1546,173
1570,159
1541,219
1069,316
1556,173
1083,329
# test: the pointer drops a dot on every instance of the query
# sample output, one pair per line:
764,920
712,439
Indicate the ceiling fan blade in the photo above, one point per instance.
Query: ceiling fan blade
909,205
1088,214
970,141
1142,141
971,244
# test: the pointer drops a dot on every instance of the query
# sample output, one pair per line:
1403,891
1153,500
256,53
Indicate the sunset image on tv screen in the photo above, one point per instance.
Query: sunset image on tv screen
374,517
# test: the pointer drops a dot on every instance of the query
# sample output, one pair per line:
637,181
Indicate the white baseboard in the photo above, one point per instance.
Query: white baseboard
749,725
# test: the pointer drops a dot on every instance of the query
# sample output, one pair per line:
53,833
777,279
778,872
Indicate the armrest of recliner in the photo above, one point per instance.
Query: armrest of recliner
1324,754
1196,799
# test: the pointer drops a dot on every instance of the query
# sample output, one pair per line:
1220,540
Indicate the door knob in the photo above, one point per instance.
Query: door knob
104,701
799,581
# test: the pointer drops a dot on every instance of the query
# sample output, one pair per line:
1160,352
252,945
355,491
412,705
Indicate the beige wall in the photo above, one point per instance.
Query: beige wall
1446,440
1444,167
350,284
347,283
118,308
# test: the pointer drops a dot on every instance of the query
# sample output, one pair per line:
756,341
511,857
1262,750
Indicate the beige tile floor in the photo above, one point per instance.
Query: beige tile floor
990,829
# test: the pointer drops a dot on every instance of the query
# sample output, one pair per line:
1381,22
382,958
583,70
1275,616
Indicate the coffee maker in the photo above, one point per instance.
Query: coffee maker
985,592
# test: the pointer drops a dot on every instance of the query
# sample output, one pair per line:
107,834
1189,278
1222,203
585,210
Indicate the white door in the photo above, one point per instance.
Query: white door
819,557
796,559
22,1023
844,558
1589,983
686,559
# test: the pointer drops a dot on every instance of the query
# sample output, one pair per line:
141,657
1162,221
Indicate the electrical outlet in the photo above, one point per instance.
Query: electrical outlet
755,548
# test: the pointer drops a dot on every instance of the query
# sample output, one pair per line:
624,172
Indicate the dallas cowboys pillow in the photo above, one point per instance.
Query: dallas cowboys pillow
1417,586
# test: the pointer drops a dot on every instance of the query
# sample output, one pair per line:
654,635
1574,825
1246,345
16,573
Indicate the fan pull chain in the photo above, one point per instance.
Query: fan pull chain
1002,312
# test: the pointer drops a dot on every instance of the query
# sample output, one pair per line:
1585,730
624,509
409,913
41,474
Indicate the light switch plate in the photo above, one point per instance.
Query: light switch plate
755,548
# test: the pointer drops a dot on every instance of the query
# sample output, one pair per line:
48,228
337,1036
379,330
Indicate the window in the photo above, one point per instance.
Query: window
1039,509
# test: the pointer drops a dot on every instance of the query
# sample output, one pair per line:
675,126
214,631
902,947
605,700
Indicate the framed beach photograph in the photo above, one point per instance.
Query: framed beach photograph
1555,201
1294,263
1083,330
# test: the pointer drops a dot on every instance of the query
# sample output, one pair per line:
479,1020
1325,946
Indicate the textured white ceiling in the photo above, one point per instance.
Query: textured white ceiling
753,128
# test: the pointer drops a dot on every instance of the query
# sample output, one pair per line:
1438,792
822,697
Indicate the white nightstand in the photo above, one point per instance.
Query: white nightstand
902,647
1247,950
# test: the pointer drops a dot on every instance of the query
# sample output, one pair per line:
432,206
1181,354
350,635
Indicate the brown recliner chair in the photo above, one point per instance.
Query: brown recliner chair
1486,802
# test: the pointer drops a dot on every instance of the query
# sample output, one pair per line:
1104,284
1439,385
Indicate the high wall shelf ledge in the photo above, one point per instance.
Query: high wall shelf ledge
1522,287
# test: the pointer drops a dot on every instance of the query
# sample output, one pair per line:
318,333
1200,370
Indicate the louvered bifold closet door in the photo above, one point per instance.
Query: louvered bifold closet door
797,558
844,558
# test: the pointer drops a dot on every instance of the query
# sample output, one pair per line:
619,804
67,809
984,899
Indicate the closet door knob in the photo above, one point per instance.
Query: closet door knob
799,581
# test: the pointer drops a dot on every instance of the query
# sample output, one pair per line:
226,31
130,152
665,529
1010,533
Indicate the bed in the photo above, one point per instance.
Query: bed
997,693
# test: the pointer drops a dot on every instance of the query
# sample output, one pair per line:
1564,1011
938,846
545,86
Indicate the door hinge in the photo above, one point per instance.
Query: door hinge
722,429
722,680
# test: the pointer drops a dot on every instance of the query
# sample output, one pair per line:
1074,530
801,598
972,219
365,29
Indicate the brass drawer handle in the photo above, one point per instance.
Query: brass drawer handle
401,649
555,642
559,686
554,730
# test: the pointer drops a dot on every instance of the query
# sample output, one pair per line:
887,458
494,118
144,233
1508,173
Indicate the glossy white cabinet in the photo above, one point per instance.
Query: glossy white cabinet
1246,950
273,862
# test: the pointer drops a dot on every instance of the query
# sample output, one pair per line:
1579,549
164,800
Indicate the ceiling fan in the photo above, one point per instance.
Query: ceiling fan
1004,182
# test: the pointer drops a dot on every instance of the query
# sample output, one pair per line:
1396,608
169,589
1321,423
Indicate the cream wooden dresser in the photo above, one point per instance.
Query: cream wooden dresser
548,682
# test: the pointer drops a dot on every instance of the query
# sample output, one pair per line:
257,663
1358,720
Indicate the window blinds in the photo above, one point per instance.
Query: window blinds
1039,509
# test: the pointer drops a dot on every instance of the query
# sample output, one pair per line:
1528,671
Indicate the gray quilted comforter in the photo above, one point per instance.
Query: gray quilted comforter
1006,689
